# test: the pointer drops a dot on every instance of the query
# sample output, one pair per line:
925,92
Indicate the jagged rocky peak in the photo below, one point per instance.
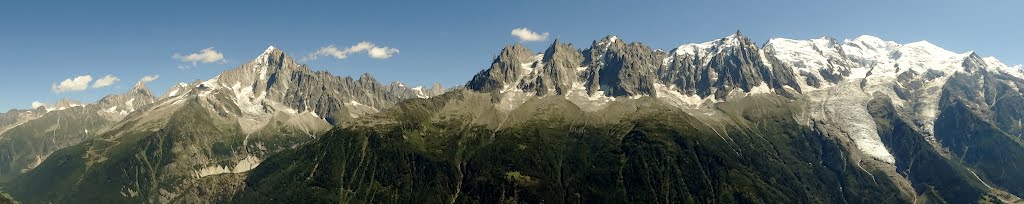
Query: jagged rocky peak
367,79
559,52
274,82
116,106
607,42
261,68
505,71
598,48
622,69
276,58
717,68
67,103
557,71
973,63
141,90
613,67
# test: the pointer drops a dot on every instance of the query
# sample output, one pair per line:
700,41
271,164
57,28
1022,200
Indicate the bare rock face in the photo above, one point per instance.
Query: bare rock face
614,68
625,69
557,71
506,70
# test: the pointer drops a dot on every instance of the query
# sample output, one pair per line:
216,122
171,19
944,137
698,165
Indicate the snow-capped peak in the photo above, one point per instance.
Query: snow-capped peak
707,50
927,48
868,42
869,39
923,55
804,54
868,49
264,57
785,43
711,47
732,39
1016,70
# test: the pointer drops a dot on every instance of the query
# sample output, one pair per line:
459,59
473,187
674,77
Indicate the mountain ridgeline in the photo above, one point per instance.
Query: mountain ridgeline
862,120
618,68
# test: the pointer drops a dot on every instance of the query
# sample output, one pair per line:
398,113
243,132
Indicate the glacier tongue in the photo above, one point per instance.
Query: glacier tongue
843,107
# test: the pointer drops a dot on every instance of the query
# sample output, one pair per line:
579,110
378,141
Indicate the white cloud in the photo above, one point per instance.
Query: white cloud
149,78
382,52
207,55
105,81
525,35
78,83
37,104
372,50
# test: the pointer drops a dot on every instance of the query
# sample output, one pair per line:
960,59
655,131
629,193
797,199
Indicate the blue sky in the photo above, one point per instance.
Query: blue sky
44,43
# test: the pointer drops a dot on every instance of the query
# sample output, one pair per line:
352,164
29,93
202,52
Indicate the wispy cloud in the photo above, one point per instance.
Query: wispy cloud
208,55
525,35
149,78
105,81
78,83
372,50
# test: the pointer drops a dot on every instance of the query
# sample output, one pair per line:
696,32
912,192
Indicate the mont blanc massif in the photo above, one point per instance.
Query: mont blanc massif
862,120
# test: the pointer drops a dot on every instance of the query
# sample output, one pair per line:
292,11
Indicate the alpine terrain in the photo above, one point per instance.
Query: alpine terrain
823,120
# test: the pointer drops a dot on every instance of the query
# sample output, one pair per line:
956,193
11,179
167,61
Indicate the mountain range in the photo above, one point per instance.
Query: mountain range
862,120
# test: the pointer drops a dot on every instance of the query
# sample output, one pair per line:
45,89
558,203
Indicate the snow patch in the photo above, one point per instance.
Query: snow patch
356,109
760,89
419,92
213,170
511,100
248,163
673,97
173,93
588,102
